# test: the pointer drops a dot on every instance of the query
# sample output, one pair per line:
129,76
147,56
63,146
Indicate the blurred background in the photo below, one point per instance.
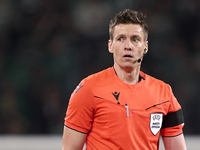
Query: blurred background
48,46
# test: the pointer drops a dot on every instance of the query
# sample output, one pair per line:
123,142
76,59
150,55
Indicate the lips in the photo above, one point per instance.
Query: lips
128,56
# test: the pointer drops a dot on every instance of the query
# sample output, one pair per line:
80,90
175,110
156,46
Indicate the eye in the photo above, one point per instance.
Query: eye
135,40
120,39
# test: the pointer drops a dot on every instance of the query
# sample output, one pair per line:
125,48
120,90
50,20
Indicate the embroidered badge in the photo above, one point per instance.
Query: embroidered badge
156,122
78,88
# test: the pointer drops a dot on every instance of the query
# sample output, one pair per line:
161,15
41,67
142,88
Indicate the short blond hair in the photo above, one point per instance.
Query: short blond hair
128,17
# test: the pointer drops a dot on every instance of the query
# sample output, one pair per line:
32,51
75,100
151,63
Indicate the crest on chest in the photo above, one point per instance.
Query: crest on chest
156,122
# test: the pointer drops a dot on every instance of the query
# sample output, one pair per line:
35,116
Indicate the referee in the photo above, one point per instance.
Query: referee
121,107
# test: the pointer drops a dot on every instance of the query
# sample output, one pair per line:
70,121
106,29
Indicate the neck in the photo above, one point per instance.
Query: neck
128,75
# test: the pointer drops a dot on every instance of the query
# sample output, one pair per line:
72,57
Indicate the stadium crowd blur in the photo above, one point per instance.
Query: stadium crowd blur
48,46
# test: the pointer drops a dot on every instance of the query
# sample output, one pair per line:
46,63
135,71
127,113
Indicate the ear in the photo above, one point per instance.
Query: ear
110,46
146,47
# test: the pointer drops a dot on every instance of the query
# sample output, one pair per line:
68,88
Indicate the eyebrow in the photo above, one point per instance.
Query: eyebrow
121,35
136,35
132,36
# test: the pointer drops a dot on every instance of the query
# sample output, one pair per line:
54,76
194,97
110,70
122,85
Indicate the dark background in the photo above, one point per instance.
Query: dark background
48,46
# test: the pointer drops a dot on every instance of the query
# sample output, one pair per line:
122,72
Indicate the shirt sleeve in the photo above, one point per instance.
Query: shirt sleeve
173,121
79,113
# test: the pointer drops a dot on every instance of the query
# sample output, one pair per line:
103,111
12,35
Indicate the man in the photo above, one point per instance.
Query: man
122,107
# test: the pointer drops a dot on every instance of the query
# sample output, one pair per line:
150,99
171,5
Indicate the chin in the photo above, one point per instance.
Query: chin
130,67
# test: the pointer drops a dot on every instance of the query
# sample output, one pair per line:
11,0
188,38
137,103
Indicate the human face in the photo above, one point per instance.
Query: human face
128,45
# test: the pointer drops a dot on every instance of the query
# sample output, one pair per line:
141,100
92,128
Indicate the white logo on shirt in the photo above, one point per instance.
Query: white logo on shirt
156,122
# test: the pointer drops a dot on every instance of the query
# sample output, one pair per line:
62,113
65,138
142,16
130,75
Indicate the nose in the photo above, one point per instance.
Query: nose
128,45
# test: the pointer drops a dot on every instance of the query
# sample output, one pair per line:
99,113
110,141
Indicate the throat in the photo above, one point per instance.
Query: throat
132,77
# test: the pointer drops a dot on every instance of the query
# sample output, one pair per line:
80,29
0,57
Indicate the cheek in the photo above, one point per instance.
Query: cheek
116,54
117,51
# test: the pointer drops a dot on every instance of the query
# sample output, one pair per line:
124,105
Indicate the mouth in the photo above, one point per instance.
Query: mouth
128,56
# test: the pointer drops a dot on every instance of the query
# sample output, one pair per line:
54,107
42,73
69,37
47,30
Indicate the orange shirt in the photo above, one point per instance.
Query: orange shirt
117,115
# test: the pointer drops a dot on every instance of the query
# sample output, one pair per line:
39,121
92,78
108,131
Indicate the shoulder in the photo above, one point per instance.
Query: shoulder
93,80
100,77
153,82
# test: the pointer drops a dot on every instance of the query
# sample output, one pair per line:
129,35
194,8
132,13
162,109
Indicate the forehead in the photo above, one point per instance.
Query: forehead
128,30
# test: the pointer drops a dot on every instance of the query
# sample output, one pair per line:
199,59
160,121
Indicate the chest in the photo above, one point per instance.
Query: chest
135,111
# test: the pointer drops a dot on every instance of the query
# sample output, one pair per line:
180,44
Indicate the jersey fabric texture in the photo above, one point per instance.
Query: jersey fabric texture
120,116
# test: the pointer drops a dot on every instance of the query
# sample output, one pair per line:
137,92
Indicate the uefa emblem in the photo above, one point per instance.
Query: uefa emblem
156,122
